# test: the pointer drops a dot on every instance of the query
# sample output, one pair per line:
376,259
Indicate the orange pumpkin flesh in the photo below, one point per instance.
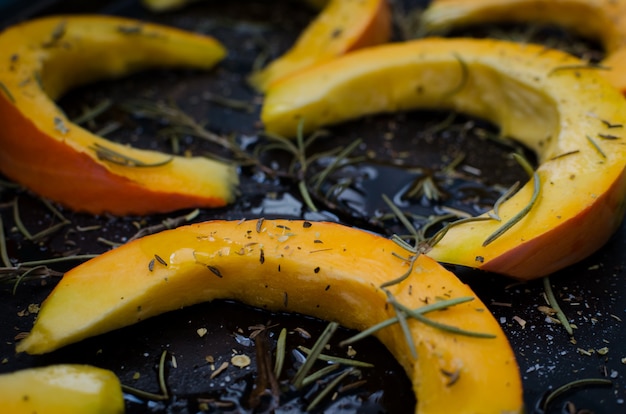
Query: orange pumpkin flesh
322,269
604,20
57,159
535,95
342,26
61,389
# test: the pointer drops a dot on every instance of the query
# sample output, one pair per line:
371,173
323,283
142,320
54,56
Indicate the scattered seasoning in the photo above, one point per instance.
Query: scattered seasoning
596,146
259,224
160,260
151,265
214,270
7,92
453,376
608,136
307,224
317,270
218,371
519,320
285,299
240,361
57,34
261,256
303,333
60,126
565,154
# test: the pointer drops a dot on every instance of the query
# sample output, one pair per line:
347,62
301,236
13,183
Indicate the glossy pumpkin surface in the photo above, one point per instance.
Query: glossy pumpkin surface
57,159
321,269
570,115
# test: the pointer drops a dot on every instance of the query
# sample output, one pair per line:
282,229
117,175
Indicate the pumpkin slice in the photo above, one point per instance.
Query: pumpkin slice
570,116
46,152
322,269
603,20
61,389
342,26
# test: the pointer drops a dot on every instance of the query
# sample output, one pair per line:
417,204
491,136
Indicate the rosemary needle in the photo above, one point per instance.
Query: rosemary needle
280,352
545,402
3,246
554,304
315,351
439,305
523,212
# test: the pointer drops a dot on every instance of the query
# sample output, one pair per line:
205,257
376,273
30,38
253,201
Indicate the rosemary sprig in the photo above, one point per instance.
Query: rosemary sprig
115,157
331,386
523,212
40,235
337,360
441,326
319,374
315,351
58,259
401,217
166,224
439,305
91,113
545,402
554,304
164,395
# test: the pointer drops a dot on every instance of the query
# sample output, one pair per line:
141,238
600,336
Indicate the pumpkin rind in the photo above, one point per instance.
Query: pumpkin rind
602,20
342,26
543,98
61,389
46,152
321,269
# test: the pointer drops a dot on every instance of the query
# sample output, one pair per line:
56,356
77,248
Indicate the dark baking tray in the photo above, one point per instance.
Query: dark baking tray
592,293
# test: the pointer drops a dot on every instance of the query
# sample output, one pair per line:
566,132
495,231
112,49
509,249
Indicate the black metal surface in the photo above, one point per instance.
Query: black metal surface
592,293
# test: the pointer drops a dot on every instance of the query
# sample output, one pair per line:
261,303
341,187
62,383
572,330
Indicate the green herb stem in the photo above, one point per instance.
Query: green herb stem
315,351
554,304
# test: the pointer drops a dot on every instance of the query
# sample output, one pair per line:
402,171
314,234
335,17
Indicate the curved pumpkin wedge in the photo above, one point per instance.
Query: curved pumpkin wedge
342,26
46,152
572,118
603,20
61,389
321,269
